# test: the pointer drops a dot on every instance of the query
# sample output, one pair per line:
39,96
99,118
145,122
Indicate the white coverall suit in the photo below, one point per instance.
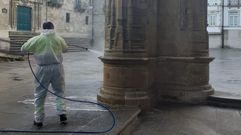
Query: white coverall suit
47,49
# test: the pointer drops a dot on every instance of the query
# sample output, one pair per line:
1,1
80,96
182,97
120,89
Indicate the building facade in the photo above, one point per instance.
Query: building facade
224,23
22,19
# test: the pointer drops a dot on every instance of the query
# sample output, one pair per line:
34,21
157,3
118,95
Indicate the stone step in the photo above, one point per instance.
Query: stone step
17,39
77,44
129,125
224,99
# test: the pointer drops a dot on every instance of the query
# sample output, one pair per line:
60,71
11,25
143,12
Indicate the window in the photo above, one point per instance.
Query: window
233,18
55,3
87,20
212,19
67,17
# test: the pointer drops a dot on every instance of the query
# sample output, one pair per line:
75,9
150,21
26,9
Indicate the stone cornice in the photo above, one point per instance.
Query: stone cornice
187,59
126,60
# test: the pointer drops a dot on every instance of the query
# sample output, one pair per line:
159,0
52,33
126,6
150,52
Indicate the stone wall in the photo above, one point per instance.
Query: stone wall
4,21
232,38
4,46
4,27
215,40
77,26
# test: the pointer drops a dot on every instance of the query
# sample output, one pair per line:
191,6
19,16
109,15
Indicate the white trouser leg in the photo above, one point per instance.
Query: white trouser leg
40,93
58,84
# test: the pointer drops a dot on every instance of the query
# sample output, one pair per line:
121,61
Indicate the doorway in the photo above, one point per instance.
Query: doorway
24,18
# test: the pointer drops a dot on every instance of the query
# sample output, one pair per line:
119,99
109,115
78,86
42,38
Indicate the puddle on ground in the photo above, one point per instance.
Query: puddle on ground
235,81
72,106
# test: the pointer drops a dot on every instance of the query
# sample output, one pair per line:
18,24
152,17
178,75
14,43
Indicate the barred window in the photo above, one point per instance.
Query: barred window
233,2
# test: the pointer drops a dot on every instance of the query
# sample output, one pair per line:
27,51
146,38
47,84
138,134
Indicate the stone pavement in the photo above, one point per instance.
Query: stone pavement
83,73
225,77
177,119
225,70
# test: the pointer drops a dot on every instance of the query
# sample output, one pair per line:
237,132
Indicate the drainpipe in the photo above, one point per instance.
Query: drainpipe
92,29
46,15
35,16
222,27
10,14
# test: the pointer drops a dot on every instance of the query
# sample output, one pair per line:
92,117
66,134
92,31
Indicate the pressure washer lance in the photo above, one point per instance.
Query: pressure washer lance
68,99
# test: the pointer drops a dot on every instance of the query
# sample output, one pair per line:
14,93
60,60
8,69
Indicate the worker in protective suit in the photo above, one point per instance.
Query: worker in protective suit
47,49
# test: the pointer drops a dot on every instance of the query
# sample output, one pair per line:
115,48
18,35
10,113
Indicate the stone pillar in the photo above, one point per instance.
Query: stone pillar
155,50
183,48
128,64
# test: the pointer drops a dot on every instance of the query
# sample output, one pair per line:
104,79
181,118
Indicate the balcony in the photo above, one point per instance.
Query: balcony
77,5
55,3
234,3
80,6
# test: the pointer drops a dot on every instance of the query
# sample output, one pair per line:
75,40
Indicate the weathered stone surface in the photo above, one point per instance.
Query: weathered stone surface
127,70
80,23
183,73
40,12
155,50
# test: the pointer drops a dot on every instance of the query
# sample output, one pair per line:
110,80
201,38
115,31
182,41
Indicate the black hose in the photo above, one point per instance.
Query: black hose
73,100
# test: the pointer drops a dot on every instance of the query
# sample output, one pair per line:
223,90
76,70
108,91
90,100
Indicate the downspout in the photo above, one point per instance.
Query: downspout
46,15
10,14
222,27
34,14
92,23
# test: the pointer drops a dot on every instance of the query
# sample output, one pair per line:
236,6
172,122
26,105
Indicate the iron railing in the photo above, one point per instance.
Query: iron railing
234,3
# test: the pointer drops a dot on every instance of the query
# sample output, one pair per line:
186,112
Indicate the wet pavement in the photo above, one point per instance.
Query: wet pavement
84,72
179,119
176,119
225,70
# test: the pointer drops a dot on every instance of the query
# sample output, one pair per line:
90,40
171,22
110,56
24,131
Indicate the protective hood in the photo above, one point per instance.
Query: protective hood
47,32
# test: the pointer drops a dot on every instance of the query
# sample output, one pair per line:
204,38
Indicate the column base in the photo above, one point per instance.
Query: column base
190,95
184,79
127,99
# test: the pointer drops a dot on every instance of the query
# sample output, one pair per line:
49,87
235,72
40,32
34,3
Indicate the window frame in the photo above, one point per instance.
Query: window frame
233,18
212,19
67,17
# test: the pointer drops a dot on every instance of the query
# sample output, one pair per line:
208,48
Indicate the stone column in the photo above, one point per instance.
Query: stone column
128,64
183,48
155,50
